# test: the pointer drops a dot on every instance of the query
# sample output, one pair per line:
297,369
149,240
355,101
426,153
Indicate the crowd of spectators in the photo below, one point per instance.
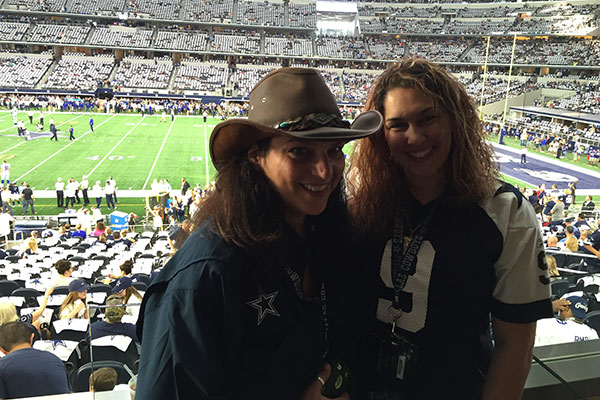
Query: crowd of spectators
22,72
151,75
586,100
340,47
207,78
37,5
63,34
401,25
193,40
161,9
438,50
288,46
207,11
303,15
244,78
95,7
107,36
12,31
260,13
236,42
79,73
557,51
386,48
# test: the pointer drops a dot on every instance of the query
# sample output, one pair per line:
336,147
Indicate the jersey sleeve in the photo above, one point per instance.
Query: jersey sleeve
522,288
187,336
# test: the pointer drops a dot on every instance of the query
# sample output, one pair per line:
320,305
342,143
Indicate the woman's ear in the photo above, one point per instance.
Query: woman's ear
254,155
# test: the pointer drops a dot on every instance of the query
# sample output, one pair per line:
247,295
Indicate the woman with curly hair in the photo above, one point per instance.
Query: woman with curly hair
421,187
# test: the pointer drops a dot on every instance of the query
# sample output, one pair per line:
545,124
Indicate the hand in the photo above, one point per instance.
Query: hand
313,391
560,305
80,306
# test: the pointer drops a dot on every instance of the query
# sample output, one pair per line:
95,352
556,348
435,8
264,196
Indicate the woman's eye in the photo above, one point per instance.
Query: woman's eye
336,150
298,151
398,127
427,119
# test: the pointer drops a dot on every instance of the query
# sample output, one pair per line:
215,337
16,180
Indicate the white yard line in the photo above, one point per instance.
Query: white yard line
43,162
158,155
114,147
206,154
12,147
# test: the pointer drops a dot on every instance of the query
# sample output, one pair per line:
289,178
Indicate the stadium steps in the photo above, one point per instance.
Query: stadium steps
173,76
90,35
234,13
464,53
113,72
44,77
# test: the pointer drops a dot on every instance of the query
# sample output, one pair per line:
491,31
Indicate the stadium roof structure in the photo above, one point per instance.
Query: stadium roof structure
562,114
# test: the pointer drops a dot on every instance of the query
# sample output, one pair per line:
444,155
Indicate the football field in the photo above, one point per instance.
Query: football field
133,149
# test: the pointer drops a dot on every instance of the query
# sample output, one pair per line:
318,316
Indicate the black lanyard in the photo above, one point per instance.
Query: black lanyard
404,263
322,298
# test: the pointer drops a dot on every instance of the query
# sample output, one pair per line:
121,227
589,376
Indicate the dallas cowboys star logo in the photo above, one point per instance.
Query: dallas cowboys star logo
58,343
264,305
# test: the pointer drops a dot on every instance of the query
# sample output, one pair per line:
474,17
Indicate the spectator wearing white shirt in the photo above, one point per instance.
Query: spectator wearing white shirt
96,215
569,327
5,223
85,219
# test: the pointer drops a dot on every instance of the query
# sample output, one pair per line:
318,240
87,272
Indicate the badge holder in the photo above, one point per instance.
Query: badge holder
397,357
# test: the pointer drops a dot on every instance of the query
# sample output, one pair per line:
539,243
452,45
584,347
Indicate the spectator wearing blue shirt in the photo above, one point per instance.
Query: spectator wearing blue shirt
112,324
28,372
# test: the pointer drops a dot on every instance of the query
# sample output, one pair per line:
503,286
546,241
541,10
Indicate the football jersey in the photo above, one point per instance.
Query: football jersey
475,260
555,331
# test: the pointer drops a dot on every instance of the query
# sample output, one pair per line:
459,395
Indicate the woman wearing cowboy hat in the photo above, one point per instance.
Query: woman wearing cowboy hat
256,296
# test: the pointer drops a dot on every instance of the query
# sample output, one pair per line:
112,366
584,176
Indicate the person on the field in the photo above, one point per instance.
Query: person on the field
60,192
413,185
27,198
5,173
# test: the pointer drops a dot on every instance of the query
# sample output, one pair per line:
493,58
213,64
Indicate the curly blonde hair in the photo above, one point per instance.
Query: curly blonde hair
376,183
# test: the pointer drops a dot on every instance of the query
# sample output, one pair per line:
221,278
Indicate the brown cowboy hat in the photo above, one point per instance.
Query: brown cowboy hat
288,101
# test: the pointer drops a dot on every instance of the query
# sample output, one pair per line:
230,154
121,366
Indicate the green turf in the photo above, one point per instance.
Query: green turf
127,147
516,182
516,143
135,205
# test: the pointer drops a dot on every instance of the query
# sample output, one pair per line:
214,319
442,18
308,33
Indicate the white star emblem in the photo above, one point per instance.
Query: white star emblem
264,305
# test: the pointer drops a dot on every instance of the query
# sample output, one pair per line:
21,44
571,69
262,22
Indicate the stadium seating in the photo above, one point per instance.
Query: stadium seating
147,74
79,73
182,40
64,34
12,31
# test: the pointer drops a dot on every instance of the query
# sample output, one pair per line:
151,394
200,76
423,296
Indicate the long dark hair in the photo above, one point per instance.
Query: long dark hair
246,212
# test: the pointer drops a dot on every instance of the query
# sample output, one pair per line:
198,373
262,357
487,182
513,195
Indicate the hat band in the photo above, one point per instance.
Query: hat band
313,121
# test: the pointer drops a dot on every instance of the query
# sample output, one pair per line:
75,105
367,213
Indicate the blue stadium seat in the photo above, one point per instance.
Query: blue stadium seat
559,287
81,381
